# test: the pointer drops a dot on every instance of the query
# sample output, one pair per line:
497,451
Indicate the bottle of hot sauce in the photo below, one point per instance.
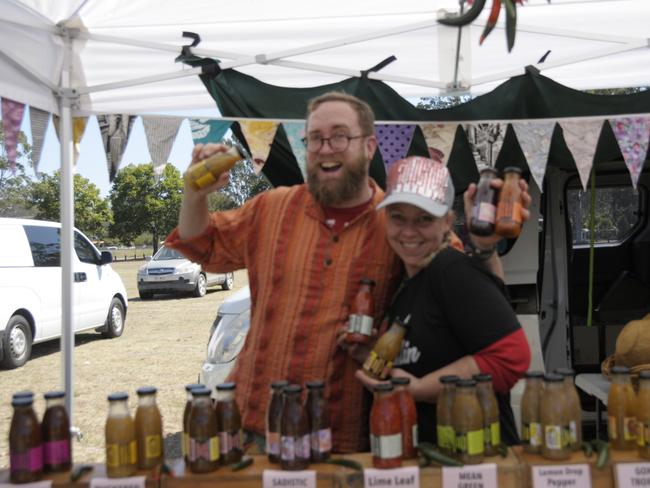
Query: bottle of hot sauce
25,448
294,431
273,419
509,220
203,451
55,432
229,421
362,312
380,360
320,430
385,428
485,204
409,417
621,414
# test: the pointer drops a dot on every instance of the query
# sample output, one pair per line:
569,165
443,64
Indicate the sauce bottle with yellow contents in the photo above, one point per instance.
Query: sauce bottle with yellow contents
148,429
531,424
490,407
121,449
206,171
380,360
467,419
575,411
621,410
643,415
554,414
446,437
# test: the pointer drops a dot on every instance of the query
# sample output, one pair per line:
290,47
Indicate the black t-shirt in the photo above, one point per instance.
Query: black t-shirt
457,309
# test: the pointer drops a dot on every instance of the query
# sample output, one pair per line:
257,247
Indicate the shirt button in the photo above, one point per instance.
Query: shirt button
328,261
335,238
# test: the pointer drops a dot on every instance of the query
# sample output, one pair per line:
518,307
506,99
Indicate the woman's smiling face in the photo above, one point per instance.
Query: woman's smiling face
415,234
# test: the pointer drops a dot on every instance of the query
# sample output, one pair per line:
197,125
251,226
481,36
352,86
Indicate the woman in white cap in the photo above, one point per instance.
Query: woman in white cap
460,320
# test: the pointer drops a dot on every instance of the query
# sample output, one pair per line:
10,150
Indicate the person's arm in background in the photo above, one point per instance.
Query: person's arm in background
194,216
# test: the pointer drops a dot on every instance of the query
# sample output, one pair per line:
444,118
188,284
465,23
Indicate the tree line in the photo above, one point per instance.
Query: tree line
140,207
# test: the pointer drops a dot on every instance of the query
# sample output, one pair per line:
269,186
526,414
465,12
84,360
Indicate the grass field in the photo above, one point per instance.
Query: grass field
130,254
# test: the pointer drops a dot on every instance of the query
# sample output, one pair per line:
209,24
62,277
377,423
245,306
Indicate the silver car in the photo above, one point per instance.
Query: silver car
168,271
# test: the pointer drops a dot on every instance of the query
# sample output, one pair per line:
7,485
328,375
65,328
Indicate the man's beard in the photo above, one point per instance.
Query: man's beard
336,192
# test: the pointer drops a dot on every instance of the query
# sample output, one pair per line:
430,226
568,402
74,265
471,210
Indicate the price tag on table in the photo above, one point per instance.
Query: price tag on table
35,484
130,482
408,477
474,476
632,474
273,478
562,475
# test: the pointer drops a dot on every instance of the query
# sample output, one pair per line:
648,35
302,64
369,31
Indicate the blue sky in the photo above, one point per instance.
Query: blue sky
92,159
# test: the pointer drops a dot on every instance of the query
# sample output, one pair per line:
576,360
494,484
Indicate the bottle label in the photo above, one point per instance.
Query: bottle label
204,449
470,442
360,324
31,460
205,180
377,366
229,441
612,431
629,428
534,434
641,434
495,433
386,446
510,210
56,452
414,433
321,441
152,446
121,454
573,432
272,442
293,448
446,437
487,212
554,438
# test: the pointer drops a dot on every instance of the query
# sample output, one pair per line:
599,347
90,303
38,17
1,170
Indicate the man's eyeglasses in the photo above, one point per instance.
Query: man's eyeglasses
337,142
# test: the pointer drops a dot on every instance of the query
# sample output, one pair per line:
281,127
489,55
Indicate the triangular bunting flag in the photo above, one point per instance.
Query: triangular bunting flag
295,132
486,140
394,141
632,134
208,130
439,139
535,141
38,120
12,118
78,129
115,131
581,137
259,135
160,133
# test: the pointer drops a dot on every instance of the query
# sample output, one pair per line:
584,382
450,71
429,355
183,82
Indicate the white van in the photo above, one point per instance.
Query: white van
30,287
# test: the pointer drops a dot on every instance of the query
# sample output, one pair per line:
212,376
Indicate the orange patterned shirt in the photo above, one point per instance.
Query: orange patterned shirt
302,276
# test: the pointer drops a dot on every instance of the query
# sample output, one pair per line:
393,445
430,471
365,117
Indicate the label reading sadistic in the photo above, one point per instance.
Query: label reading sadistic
130,482
408,477
292,448
360,324
386,446
229,441
291,479
207,449
476,476
562,475
632,474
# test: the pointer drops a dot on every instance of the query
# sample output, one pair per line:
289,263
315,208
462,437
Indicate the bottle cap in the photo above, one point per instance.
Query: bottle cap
229,386
116,397
199,392
512,169
22,401
381,387
22,394
293,389
146,390
482,377
466,383
482,168
279,385
315,385
192,386
645,374
51,395
565,372
400,381
449,379
552,377
620,370
534,374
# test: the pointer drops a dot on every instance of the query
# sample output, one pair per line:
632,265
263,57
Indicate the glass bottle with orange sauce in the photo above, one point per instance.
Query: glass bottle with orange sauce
148,429
320,429
485,203
446,436
554,414
229,422
203,451
385,428
409,416
531,424
643,415
362,313
55,433
490,408
185,442
380,360
621,410
467,419
508,219
25,447
273,419
121,449
294,431
575,410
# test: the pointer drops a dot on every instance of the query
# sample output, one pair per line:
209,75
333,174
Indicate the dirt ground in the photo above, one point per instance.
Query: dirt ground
163,345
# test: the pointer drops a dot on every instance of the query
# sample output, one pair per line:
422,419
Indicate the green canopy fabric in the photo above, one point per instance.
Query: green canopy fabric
529,96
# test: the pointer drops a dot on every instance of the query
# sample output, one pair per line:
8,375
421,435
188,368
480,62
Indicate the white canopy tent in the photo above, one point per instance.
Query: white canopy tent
81,57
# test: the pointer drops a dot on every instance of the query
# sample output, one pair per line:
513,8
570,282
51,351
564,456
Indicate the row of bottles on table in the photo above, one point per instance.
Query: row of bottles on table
133,444
467,416
393,424
497,211
551,419
628,413
295,433
36,447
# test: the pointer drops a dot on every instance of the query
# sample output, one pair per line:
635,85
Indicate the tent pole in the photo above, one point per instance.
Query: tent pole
67,224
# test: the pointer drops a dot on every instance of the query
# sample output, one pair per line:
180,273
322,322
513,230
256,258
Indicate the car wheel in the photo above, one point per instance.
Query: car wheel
17,342
115,319
201,288
230,281
145,295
